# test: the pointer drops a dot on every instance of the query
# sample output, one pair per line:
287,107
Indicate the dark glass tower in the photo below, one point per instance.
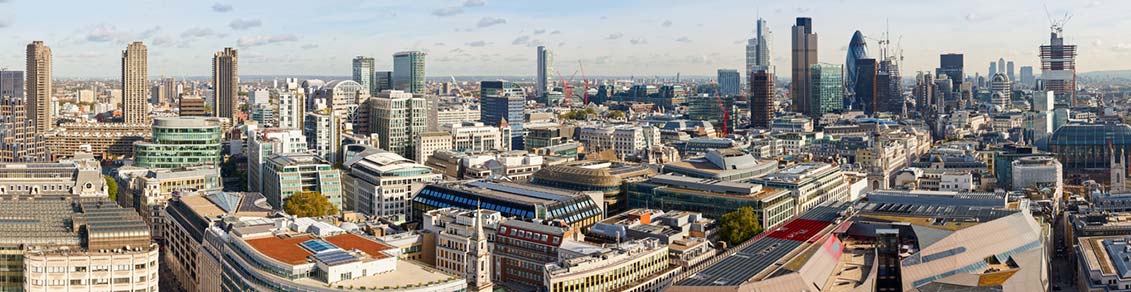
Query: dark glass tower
951,65
865,85
857,49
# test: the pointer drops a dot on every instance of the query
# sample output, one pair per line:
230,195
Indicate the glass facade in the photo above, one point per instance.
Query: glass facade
828,88
857,49
503,100
1086,146
180,142
771,210
578,212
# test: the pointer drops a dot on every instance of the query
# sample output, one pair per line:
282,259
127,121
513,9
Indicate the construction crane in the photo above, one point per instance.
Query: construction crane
1057,25
722,107
585,81
567,88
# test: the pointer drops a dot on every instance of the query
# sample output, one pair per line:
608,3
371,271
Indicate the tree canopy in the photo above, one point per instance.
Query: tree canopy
309,204
579,114
739,226
111,187
616,115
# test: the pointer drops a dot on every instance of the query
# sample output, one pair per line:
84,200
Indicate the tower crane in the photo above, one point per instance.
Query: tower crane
585,81
722,107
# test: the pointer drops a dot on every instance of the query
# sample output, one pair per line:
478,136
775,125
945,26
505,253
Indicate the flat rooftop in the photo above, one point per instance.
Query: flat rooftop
288,248
766,249
404,276
283,248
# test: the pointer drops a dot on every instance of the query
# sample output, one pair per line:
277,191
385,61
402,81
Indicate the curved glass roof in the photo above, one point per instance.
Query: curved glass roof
1092,134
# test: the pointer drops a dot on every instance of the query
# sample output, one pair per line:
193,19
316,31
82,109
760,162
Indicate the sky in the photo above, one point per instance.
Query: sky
498,37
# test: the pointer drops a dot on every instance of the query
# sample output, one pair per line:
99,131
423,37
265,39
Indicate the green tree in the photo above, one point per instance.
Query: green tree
616,115
111,187
309,204
739,226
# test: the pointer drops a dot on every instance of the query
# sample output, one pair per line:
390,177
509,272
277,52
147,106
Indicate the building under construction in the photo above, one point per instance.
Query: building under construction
1058,68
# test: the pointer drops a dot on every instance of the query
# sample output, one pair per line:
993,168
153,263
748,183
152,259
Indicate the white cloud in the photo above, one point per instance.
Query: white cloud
615,35
683,40
489,21
667,23
476,44
242,24
162,41
474,3
521,40
539,31
309,46
218,7
1121,47
265,40
199,32
103,33
638,41
447,11
149,32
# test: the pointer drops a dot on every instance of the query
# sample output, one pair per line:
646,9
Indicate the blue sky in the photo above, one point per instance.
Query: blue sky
496,37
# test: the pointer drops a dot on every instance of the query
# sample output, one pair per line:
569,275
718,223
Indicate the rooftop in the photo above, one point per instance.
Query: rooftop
766,249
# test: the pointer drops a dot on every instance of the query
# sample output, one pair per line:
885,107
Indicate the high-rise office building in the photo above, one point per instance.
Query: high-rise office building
1000,92
761,97
396,117
38,87
993,69
857,49
728,80
924,92
1009,71
363,73
545,71
166,91
382,80
889,92
501,102
758,48
865,89
12,84
135,83
804,55
1027,78
408,72
225,83
180,142
951,65
828,88
191,106
1000,66
1058,68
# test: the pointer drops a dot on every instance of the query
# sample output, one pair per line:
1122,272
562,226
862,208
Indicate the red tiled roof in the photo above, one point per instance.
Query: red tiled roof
284,249
351,241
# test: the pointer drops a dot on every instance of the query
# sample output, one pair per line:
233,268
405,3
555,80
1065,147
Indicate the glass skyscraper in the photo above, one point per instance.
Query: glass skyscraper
408,72
857,49
502,102
827,88
728,82
758,48
363,73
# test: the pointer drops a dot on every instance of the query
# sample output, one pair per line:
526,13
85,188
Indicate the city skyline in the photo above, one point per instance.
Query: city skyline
478,37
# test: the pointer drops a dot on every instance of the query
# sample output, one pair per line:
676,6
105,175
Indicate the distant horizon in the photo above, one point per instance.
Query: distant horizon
498,38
